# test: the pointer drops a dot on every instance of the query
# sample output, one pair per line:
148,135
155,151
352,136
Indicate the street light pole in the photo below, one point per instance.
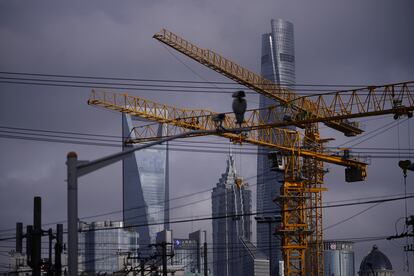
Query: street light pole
71,163
205,254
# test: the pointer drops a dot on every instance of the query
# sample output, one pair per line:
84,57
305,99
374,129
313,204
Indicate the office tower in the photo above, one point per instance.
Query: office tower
104,247
375,263
231,200
145,185
338,258
278,66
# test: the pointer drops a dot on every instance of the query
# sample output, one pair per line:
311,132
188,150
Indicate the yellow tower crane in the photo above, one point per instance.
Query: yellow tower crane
332,107
294,193
263,131
300,195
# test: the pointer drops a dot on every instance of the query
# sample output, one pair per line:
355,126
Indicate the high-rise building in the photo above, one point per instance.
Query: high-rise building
231,199
278,66
145,186
338,258
104,247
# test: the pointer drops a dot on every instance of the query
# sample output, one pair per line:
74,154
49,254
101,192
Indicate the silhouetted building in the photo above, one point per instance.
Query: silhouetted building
339,259
278,66
375,264
231,200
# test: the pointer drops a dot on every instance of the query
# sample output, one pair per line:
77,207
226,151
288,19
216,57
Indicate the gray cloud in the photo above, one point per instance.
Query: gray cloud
361,42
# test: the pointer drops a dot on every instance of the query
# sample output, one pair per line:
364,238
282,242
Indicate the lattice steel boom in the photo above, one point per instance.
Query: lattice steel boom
301,193
333,109
181,120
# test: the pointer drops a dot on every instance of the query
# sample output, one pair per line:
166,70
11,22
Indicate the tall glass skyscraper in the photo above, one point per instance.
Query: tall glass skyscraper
230,197
145,186
278,66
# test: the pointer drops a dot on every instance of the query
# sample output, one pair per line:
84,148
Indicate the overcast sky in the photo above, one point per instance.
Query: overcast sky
337,42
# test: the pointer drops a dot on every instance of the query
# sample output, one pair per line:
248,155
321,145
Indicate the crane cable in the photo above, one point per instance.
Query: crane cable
407,263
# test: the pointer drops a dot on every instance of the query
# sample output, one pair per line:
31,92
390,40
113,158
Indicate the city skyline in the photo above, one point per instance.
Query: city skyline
337,43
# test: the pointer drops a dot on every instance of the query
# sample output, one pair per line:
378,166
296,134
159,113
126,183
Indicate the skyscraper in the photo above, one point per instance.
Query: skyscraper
231,199
145,186
278,66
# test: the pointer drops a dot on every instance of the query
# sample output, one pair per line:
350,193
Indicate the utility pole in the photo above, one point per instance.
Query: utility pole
19,237
37,237
29,232
71,163
205,254
142,266
33,237
51,237
58,249
164,258
409,221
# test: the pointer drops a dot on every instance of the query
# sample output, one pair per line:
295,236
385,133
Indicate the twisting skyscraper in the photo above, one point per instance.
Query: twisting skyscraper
278,66
145,186
231,200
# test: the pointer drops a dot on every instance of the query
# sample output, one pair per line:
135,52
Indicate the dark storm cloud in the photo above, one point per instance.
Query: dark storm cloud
362,42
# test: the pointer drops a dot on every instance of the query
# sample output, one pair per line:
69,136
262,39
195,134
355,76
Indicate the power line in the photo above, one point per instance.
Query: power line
187,149
380,132
178,141
145,206
327,205
61,132
160,90
157,87
162,80
390,124
250,214
351,217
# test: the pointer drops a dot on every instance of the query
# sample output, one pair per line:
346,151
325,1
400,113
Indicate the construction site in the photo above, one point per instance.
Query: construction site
319,170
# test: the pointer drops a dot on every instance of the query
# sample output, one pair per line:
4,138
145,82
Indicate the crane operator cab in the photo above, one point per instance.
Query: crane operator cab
353,174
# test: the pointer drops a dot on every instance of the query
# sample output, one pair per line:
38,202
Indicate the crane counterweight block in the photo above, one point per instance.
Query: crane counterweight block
355,174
